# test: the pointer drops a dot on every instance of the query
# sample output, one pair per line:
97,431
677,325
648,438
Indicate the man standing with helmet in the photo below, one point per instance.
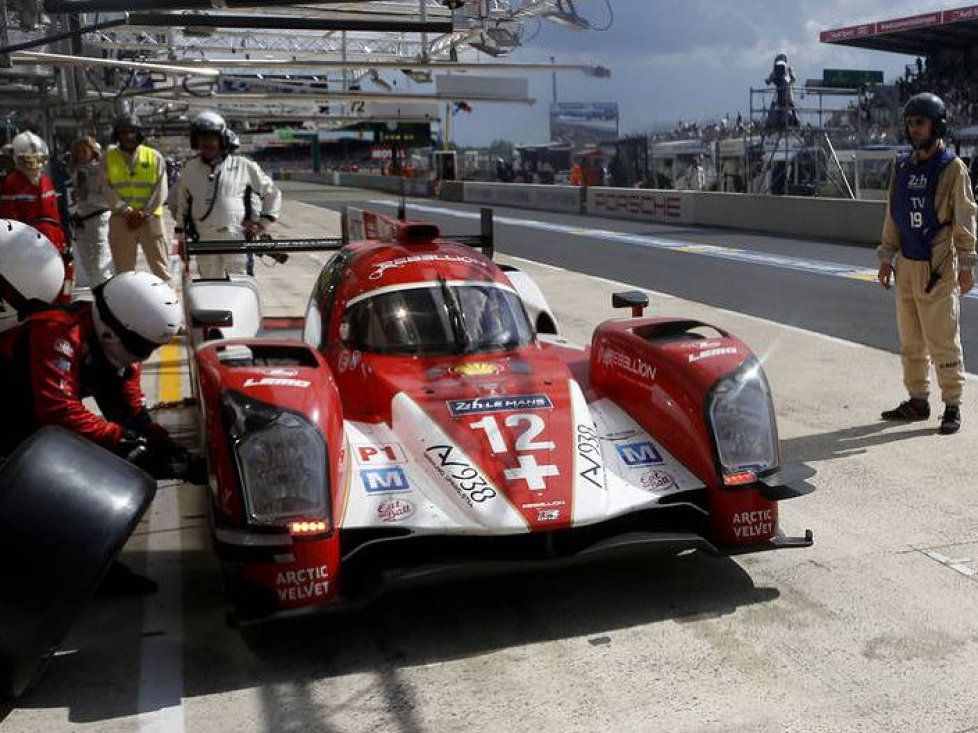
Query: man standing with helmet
28,194
930,231
136,174
215,191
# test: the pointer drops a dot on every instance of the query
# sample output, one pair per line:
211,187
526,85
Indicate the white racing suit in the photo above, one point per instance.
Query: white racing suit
92,209
215,199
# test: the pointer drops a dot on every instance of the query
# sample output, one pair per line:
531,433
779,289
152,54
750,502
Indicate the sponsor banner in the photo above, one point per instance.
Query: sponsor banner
645,204
525,195
584,123
958,14
843,34
506,403
904,24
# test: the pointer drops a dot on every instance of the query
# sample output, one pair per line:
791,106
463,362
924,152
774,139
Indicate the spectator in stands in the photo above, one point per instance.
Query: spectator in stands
930,230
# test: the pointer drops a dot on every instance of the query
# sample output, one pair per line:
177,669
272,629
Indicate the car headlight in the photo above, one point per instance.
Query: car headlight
281,460
742,418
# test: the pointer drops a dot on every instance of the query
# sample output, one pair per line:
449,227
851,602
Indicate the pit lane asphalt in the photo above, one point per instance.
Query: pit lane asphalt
872,629
846,308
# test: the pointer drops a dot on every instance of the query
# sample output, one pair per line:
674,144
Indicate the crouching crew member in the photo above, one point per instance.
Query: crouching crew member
930,232
60,355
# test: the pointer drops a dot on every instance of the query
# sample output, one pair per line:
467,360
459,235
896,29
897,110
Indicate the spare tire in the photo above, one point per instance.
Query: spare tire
67,508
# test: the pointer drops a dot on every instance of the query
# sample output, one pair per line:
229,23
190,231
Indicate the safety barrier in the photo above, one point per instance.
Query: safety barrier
822,218
568,199
389,184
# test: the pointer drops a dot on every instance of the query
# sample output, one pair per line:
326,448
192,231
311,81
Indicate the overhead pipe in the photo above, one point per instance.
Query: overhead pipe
73,33
118,6
286,22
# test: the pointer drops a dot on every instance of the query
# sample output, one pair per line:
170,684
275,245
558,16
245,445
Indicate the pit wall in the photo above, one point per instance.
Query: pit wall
821,218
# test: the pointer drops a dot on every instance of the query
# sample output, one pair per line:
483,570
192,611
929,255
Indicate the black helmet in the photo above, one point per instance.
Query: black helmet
209,121
127,120
930,106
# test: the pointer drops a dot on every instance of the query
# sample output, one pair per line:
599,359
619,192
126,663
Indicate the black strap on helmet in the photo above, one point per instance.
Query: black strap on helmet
135,344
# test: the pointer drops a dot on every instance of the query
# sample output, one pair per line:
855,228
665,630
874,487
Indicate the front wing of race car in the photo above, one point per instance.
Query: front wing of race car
404,499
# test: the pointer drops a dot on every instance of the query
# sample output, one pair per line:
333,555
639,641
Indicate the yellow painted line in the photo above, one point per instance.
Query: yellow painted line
868,277
171,389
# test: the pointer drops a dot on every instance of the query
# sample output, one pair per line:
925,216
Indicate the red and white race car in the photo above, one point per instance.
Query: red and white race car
416,420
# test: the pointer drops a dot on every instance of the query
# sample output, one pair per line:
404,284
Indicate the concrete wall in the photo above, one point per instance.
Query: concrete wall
567,199
390,184
842,219
839,219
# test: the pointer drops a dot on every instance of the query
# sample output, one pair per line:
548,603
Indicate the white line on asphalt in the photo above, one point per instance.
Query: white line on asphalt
161,653
544,265
783,262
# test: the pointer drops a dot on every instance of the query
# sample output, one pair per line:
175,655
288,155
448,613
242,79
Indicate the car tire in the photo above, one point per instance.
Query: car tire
67,507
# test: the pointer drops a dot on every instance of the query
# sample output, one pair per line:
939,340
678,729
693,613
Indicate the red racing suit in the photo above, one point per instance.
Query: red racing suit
22,201
49,363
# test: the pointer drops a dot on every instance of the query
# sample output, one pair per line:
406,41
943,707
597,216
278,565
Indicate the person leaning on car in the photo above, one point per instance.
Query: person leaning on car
930,231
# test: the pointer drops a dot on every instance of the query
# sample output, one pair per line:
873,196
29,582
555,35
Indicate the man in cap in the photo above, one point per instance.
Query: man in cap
929,239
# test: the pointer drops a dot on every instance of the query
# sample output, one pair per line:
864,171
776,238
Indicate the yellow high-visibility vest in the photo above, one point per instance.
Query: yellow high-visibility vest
133,185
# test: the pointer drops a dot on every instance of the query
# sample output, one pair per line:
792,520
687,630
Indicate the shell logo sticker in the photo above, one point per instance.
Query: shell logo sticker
477,369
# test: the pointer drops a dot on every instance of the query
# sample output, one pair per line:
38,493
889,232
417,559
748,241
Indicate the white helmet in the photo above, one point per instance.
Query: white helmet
134,314
210,122
30,269
30,155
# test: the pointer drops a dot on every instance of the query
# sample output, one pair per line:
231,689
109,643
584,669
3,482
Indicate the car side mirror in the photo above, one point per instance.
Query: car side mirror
211,318
634,299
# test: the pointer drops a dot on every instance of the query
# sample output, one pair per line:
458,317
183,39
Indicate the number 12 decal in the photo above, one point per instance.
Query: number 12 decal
528,470
525,439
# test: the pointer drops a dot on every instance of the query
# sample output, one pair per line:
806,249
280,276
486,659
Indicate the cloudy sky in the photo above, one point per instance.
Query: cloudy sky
689,59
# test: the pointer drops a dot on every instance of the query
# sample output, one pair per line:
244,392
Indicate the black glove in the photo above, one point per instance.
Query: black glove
132,447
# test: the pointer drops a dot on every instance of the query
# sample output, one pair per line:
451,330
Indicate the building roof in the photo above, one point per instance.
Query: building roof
916,35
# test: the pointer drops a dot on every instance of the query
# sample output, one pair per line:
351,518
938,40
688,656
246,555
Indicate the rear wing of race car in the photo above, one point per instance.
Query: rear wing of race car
360,224
270,247
356,225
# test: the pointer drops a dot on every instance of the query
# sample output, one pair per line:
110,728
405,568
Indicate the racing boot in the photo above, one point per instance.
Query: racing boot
912,410
950,420
120,580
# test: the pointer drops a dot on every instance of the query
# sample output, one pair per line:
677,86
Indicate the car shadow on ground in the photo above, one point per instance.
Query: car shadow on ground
98,679
851,441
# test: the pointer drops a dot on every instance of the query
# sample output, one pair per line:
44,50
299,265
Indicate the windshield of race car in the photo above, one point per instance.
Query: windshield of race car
440,319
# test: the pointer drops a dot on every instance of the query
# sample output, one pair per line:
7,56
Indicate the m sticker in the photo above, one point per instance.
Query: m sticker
384,480
639,454
481,405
